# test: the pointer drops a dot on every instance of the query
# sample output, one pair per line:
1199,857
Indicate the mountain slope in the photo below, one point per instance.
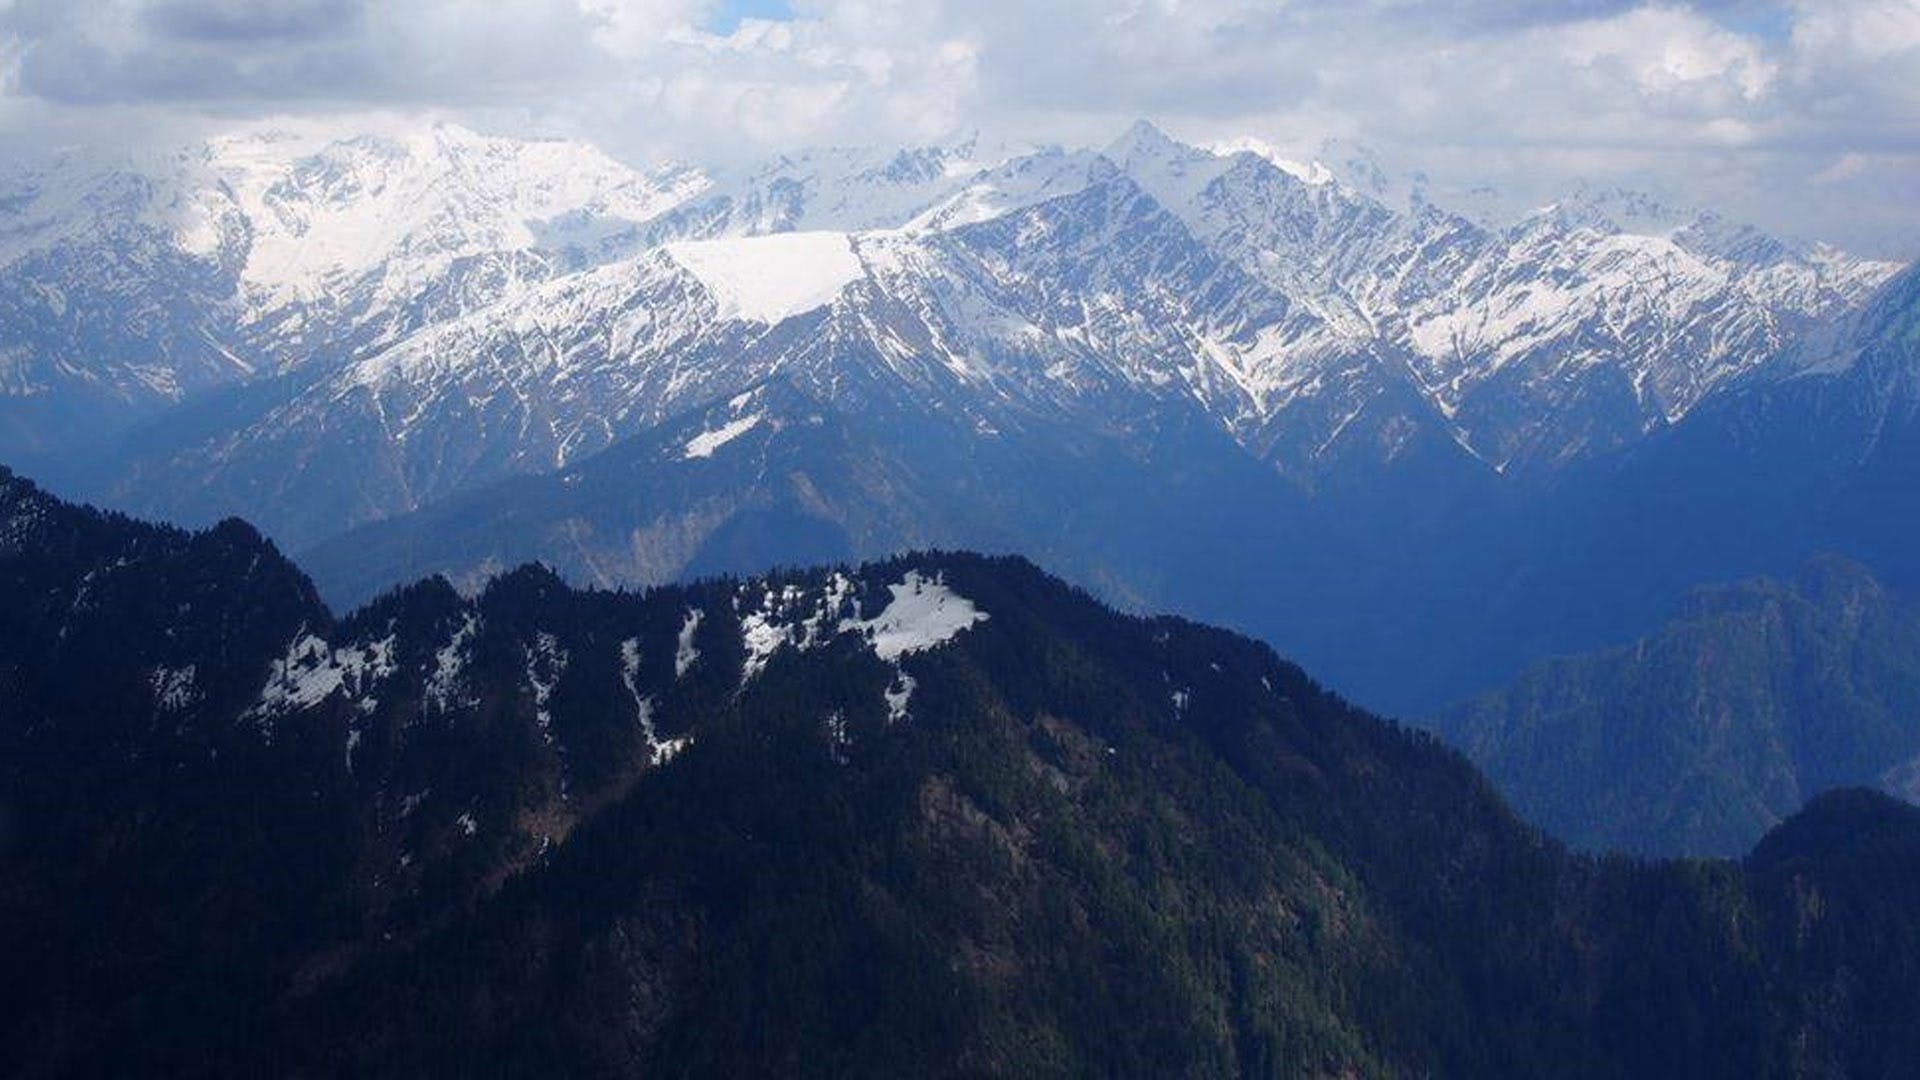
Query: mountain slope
779,473
1406,569
1454,578
937,815
771,475
1816,454
1701,736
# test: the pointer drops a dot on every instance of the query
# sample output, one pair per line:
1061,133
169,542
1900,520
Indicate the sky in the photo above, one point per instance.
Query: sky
728,16
1802,115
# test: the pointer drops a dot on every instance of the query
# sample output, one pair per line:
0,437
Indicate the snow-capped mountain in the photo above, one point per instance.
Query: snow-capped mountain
133,281
1577,329
845,189
413,316
369,238
1095,307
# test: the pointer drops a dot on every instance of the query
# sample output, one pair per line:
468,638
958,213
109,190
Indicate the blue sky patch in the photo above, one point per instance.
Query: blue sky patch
731,12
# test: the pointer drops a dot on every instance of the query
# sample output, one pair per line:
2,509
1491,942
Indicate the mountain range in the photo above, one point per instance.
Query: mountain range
938,815
547,303
1416,446
481,350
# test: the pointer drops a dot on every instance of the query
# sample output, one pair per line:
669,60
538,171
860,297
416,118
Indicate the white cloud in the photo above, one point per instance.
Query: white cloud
1666,51
1856,29
1724,98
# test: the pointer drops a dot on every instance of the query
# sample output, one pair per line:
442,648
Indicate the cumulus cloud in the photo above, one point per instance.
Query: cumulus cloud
1798,111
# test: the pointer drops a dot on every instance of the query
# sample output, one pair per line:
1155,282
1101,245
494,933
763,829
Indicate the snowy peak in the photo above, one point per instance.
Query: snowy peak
1615,210
471,306
138,278
1894,315
308,211
1144,140
82,198
845,189
1172,171
1310,171
1884,333
1015,185
424,198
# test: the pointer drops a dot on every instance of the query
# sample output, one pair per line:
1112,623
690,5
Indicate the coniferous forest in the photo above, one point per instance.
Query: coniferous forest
546,830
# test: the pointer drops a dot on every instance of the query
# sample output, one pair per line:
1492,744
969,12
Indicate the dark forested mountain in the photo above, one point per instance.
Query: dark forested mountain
1703,735
941,815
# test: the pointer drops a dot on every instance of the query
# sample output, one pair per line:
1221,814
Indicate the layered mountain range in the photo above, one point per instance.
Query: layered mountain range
1397,439
941,815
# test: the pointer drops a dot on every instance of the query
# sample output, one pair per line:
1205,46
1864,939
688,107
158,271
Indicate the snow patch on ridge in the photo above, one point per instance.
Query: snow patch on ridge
897,695
762,638
546,662
924,613
311,671
449,665
789,616
767,279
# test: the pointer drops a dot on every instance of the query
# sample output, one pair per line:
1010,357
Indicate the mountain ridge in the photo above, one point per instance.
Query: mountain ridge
573,830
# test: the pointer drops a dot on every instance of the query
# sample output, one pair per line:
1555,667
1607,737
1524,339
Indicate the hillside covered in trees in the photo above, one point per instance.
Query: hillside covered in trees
941,815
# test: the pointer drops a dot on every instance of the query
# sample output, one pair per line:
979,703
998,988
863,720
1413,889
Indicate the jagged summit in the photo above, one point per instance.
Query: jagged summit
1143,138
434,301
264,251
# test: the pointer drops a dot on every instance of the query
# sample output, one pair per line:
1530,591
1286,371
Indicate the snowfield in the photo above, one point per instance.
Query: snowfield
704,444
769,279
